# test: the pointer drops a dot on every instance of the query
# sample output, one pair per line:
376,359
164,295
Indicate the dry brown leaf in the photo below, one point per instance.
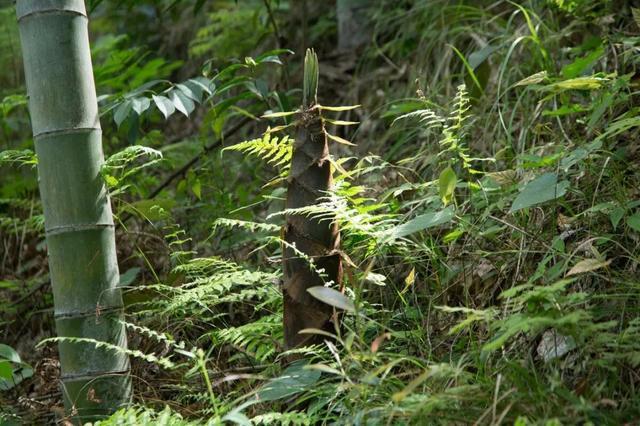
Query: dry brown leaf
588,265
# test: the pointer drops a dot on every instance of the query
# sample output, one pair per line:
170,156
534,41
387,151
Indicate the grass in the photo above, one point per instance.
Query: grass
493,253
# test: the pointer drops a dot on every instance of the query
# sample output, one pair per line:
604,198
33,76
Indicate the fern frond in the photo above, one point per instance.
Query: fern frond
214,281
244,225
425,116
24,157
275,150
133,353
353,213
256,338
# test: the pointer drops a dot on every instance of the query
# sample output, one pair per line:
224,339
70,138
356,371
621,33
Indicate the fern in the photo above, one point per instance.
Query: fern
119,167
258,338
211,282
143,416
453,130
353,213
24,157
275,150
244,225
133,353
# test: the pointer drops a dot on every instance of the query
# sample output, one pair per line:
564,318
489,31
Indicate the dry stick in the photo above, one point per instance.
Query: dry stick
208,148
182,170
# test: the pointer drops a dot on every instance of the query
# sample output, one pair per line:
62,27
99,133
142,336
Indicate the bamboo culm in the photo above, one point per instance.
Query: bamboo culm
78,219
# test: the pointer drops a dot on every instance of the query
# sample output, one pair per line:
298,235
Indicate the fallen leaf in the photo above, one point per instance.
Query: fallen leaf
375,345
588,265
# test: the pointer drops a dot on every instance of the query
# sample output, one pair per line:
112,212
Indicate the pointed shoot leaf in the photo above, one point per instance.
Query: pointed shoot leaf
339,139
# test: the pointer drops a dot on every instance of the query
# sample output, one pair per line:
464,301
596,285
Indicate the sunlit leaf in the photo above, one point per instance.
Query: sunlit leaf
337,108
422,222
588,265
536,78
332,297
182,102
140,105
447,185
279,114
165,106
339,139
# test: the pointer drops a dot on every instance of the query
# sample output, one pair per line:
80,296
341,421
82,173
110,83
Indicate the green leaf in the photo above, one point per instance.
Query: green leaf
293,380
615,216
6,371
182,102
332,297
204,83
565,110
580,65
196,188
479,56
111,181
310,79
8,353
140,105
541,189
634,222
129,276
122,112
165,106
425,221
447,184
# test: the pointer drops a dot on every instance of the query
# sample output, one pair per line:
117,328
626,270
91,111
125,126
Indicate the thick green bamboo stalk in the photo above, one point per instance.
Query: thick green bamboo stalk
78,220
309,180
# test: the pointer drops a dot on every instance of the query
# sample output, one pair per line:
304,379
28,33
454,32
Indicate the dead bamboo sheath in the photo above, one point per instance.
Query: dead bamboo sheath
78,219
310,179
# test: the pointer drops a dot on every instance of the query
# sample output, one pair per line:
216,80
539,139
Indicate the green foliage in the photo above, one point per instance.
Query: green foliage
119,168
233,30
146,417
12,369
490,243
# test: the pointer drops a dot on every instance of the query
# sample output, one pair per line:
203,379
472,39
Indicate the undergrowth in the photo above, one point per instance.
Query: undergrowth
490,226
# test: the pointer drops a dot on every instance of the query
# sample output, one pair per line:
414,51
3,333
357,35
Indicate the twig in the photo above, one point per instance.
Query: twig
182,170
31,292
274,24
